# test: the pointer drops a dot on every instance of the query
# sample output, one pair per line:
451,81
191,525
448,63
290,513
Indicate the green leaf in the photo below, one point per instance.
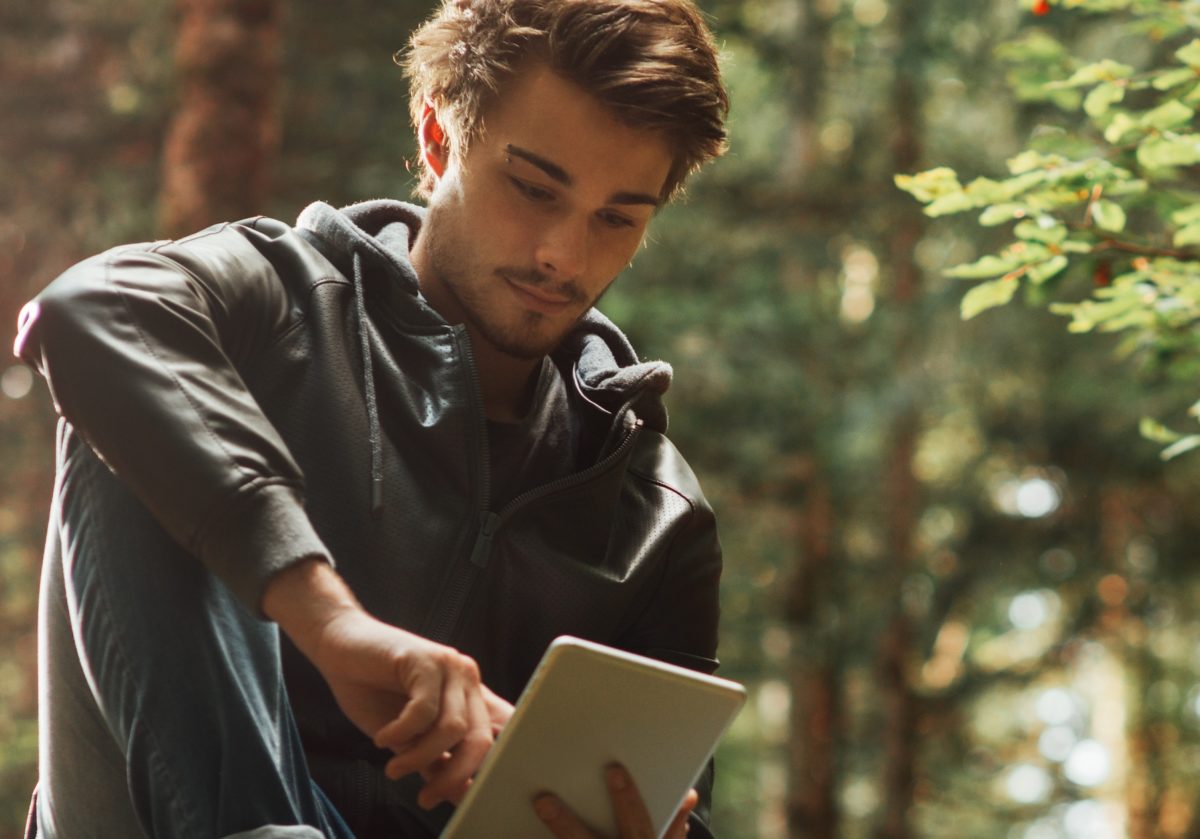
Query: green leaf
1027,161
1190,54
1108,216
1044,229
1001,213
930,184
1101,97
1169,115
1102,71
1187,215
1189,235
987,266
1160,151
1038,274
1156,432
1134,317
1168,79
987,296
1120,126
1133,186
1185,445
987,190
945,205
1036,45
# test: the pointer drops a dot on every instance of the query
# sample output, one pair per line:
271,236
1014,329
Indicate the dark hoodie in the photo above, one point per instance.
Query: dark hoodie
273,393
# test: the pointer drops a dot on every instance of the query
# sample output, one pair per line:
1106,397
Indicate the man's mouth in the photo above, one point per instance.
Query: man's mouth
539,299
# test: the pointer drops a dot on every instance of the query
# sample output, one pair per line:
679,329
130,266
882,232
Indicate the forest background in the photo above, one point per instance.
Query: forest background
958,585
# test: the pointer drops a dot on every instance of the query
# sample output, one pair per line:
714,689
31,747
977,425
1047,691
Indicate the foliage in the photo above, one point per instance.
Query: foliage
1103,202
830,408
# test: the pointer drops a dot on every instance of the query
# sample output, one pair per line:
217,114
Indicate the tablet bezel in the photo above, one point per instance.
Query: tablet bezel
576,681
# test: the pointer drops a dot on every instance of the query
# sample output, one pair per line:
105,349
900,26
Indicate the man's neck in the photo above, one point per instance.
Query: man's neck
508,384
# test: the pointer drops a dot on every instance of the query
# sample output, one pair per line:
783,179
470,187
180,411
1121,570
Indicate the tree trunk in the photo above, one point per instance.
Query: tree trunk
222,141
816,681
901,714
900,704
816,665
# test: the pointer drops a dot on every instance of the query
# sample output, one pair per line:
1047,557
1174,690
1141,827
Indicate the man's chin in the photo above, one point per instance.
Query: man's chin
526,346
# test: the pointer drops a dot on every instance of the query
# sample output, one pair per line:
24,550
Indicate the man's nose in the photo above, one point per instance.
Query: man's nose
563,251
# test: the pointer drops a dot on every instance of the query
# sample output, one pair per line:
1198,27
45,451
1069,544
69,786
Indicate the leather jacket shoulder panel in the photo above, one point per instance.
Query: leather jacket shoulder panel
138,346
679,622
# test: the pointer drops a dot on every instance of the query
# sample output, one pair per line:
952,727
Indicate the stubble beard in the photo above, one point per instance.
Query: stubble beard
524,339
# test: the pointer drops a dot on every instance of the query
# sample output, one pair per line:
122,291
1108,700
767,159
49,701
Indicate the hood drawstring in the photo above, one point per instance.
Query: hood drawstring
360,309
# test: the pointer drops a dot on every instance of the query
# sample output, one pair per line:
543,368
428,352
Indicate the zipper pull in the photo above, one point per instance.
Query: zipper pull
489,523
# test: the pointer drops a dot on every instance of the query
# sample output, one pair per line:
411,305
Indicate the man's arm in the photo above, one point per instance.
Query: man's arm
422,700
139,347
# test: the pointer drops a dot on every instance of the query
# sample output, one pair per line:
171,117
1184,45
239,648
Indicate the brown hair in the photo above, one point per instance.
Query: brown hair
652,61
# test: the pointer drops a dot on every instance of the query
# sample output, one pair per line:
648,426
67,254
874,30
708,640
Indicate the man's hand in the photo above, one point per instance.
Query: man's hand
633,822
422,700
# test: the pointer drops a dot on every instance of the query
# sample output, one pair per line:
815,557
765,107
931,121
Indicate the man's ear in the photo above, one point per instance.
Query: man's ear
435,151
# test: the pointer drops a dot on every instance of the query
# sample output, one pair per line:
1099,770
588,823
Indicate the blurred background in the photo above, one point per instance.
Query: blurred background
958,585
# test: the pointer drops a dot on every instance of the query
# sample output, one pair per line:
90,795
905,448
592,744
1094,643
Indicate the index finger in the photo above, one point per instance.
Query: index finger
633,820
419,713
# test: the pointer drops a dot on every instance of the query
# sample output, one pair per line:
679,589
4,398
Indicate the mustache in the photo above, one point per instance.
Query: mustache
535,278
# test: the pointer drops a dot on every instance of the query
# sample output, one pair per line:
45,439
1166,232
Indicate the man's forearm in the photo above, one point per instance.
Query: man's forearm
304,598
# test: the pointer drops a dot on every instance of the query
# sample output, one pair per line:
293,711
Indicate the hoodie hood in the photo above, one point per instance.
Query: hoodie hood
380,232
607,368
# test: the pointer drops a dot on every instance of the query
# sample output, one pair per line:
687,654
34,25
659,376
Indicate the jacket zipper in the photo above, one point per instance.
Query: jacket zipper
567,481
490,523
454,595
454,601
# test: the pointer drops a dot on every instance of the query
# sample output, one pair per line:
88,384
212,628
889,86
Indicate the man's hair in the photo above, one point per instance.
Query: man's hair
653,62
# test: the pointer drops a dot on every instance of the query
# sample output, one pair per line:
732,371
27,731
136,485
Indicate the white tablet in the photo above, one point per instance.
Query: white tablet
587,706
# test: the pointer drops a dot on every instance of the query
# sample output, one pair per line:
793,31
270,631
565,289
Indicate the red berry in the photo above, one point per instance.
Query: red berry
1041,7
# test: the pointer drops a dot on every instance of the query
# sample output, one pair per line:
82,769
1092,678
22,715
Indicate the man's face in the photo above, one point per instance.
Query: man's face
531,226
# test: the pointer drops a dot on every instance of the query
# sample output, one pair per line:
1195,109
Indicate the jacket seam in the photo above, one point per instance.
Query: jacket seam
305,312
664,485
203,234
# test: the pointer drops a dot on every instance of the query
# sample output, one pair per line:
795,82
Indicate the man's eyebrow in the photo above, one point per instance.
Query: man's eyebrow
557,173
551,169
634,198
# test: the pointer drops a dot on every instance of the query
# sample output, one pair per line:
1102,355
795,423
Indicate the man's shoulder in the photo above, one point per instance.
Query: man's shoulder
657,460
257,246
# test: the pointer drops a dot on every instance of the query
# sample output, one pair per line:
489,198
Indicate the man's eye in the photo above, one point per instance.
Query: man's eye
535,193
616,220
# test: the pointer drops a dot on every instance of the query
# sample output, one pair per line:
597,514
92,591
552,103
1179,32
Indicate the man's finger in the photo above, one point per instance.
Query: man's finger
420,712
679,825
633,820
499,710
559,818
443,736
426,750
448,779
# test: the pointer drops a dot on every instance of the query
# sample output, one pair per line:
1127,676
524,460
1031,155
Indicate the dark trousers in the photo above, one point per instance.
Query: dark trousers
162,705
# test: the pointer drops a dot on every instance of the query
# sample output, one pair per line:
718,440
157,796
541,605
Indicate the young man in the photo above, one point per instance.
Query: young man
425,398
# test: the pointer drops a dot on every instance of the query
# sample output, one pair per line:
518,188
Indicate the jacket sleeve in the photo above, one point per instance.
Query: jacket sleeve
139,347
680,624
